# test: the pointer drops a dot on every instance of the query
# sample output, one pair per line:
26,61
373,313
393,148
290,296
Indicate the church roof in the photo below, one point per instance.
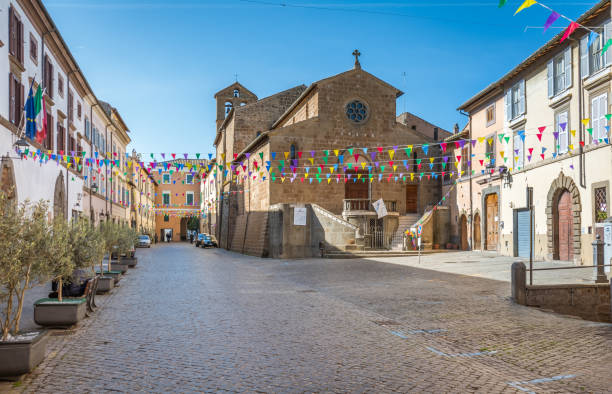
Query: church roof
297,102
232,87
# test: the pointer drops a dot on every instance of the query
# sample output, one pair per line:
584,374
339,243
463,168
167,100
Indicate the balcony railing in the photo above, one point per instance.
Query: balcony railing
360,204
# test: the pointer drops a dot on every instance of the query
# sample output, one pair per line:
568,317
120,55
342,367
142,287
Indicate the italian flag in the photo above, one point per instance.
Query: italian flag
40,112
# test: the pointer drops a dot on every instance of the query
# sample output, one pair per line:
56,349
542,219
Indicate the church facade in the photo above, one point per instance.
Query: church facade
299,172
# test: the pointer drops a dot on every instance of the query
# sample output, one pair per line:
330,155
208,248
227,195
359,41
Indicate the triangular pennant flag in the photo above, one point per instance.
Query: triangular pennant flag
570,29
551,19
526,4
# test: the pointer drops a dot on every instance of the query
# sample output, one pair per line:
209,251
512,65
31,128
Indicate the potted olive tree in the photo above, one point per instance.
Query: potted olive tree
95,242
23,231
61,311
126,243
110,235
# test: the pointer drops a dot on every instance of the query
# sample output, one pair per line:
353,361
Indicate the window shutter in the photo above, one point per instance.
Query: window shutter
49,131
551,78
603,110
595,117
20,40
521,97
21,105
563,134
584,57
11,98
12,32
508,102
567,57
607,35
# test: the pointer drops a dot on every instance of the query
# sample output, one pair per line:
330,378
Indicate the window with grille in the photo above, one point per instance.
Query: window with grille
601,205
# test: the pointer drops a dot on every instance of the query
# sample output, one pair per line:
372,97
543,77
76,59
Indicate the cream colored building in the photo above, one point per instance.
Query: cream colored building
142,190
548,120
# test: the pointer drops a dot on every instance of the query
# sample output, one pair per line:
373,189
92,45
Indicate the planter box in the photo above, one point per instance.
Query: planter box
116,275
130,261
105,284
119,266
20,357
51,312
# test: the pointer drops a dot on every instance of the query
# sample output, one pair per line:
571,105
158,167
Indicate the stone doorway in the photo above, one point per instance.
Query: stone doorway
59,197
563,225
476,238
464,233
492,218
563,211
359,189
7,179
412,192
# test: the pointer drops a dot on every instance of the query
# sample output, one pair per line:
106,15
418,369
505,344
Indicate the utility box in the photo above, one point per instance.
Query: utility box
604,230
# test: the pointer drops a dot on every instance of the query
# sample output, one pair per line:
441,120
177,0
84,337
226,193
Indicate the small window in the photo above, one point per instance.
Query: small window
33,48
236,93
166,178
189,199
228,107
490,150
601,204
293,153
356,111
166,198
435,133
60,85
87,126
258,134
490,114
243,103
189,179
166,218
79,109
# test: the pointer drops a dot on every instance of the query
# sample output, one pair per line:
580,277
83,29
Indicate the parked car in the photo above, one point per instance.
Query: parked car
209,241
144,241
200,239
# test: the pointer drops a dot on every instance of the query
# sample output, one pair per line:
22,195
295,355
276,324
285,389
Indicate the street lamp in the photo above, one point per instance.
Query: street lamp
506,176
94,187
21,143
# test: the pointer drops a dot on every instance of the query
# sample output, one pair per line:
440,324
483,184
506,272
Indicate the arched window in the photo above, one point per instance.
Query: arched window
293,152
243,103
258,133
228,107
236,93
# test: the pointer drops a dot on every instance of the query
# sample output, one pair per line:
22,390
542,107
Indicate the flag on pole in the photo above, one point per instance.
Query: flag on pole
40,109
30,114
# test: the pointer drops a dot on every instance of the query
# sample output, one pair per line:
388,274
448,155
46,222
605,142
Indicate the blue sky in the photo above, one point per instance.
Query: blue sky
160,62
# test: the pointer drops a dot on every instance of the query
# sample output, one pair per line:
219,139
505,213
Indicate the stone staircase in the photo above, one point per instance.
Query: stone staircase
405,222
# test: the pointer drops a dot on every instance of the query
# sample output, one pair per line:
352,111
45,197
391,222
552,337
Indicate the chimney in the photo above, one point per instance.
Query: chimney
456,129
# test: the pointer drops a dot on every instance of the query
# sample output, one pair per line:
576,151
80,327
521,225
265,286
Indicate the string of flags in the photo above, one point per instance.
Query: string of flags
554,16
393,163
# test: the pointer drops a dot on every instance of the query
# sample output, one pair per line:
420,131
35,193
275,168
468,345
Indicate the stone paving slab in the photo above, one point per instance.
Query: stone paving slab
190,320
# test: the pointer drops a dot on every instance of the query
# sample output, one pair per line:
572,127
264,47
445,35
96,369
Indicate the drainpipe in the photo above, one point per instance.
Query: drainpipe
471,245
91,157
67,134
581,160
106,176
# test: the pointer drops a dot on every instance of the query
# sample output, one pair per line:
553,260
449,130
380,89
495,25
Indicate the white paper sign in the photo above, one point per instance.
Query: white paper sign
380,208
299,216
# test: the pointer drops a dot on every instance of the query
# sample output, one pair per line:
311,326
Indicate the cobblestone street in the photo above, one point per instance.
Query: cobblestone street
188,319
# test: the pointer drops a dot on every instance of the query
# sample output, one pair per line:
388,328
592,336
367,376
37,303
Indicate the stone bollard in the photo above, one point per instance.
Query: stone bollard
519,283
598,260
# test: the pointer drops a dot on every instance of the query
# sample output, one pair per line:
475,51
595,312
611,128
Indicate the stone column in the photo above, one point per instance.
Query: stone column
519,283
598,260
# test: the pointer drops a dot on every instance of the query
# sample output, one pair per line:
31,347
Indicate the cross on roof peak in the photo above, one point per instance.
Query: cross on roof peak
356,53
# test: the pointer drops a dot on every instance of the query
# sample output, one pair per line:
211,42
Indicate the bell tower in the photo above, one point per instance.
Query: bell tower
233,96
